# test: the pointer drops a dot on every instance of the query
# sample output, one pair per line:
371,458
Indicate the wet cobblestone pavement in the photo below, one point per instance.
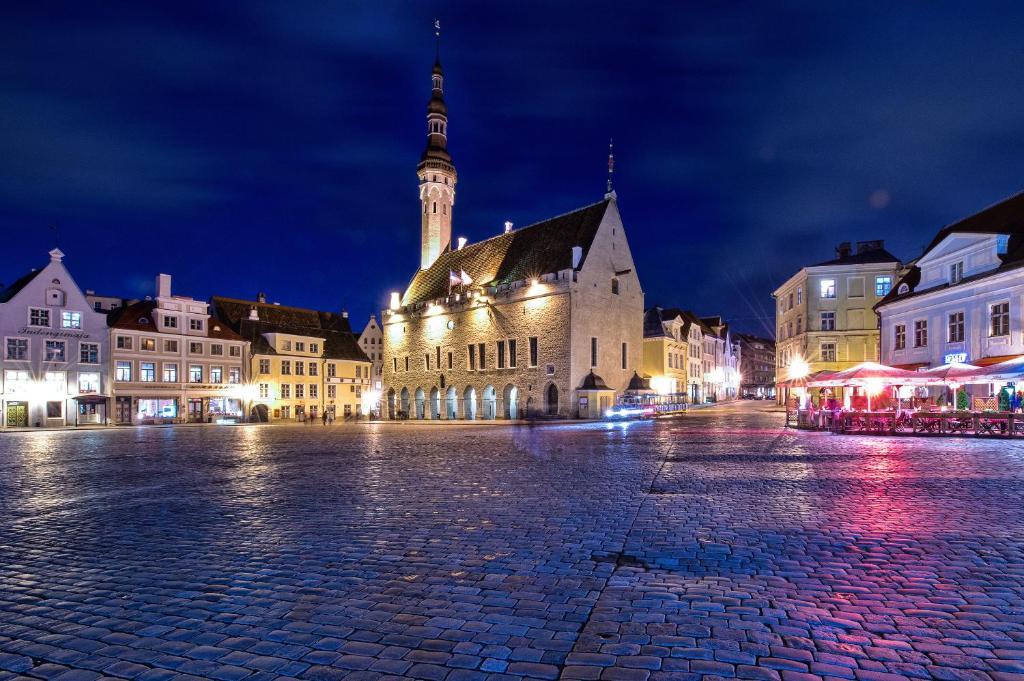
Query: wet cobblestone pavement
715,545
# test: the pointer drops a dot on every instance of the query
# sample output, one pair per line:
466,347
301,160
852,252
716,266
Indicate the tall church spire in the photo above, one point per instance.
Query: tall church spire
436,171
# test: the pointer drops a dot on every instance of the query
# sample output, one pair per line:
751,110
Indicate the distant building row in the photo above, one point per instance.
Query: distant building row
70,358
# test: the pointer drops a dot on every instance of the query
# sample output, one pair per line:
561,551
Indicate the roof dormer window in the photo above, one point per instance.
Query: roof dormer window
956,272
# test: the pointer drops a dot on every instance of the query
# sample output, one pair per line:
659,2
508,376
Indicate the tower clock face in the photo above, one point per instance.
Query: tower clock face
451,324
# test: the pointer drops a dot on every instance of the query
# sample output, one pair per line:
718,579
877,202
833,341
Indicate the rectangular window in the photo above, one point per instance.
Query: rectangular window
17,348
828,321
195,348
437,353
407,362
332,370
170,346
451,359
170,322
593,351
286,391
882,286
88,382
123,371
264,366
501,354
286,367
300,391
314,391
332,391
195,324
54,409
314,348
799,295
999,315
70,320
472,357
956,272
234,351
38,317
313,370
300,368
828,288
956,328
217,349
89,353
512,353
195,373
235,375
899,336
921,333
147,344
170,373
426,362
300,346
534,354
828,352
625,355
264,391
482,348
123,342
216,374
147,372
799,325
55,351
395,362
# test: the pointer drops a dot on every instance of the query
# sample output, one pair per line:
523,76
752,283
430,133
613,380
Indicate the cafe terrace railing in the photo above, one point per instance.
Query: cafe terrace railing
980,424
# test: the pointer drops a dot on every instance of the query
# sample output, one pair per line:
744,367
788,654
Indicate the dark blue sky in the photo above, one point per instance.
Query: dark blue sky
272,145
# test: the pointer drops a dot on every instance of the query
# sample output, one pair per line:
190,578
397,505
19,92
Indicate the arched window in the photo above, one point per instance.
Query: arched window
424,207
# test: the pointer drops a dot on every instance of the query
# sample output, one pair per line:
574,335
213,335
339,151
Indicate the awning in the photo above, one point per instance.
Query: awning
913,366
988,361
91,399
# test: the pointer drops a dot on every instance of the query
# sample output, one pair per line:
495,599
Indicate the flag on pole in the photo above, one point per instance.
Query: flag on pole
465,278
453,280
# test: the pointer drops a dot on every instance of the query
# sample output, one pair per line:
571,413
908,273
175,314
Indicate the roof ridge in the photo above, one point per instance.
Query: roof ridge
1003,200
533,224
276,306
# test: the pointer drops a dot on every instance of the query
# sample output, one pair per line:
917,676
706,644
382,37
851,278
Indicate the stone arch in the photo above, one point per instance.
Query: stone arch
391,403
469,403
551,400
435,403
403,410
451,403
490,403
510,402
421,404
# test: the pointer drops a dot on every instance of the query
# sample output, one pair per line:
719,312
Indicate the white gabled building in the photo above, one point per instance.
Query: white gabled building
55,352
963,299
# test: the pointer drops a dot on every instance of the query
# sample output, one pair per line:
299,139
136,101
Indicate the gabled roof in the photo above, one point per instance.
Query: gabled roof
655,316
333,328
12,290
141,316
541,248
1005,217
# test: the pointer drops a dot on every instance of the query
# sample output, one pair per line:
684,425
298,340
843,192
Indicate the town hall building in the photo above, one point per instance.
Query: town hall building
542,320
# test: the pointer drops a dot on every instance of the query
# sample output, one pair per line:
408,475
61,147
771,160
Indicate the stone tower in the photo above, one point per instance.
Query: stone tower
437,177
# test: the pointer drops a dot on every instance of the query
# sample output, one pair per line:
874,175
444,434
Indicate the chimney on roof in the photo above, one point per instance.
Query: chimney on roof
261,297
462,242
163,286
508,226
869,246
844,250
577,256
254,316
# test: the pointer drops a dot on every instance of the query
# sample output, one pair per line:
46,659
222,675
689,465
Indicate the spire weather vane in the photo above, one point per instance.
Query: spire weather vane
611,163
437,36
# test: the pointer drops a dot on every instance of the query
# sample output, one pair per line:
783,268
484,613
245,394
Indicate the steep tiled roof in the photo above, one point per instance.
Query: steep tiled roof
333,328
140,317
541,248
10,291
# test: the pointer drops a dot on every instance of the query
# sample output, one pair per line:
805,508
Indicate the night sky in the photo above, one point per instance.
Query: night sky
272,146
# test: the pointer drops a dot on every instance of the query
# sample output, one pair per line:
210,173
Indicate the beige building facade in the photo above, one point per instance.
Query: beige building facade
824,313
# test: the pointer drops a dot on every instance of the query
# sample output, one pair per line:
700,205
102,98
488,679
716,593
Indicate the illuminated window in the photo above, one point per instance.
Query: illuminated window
882,286
148,344
170,373
195,373
88,382
264,391
123,371
828,288
234,375
216,374
71,320
147,372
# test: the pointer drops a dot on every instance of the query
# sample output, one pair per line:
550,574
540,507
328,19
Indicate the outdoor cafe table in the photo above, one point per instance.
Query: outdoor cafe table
994,424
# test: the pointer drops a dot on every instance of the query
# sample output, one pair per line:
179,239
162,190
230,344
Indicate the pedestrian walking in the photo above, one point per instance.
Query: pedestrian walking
324,417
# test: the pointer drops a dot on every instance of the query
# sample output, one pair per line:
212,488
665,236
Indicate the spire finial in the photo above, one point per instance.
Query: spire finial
611,162
437,38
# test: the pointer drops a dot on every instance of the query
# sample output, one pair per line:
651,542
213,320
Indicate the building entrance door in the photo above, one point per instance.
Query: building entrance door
195,410
123,410
17,414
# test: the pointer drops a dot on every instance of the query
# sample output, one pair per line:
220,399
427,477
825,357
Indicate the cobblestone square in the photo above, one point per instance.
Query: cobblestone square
715,545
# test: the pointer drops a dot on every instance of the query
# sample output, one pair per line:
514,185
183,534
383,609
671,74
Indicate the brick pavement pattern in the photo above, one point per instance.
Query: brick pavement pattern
715,545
